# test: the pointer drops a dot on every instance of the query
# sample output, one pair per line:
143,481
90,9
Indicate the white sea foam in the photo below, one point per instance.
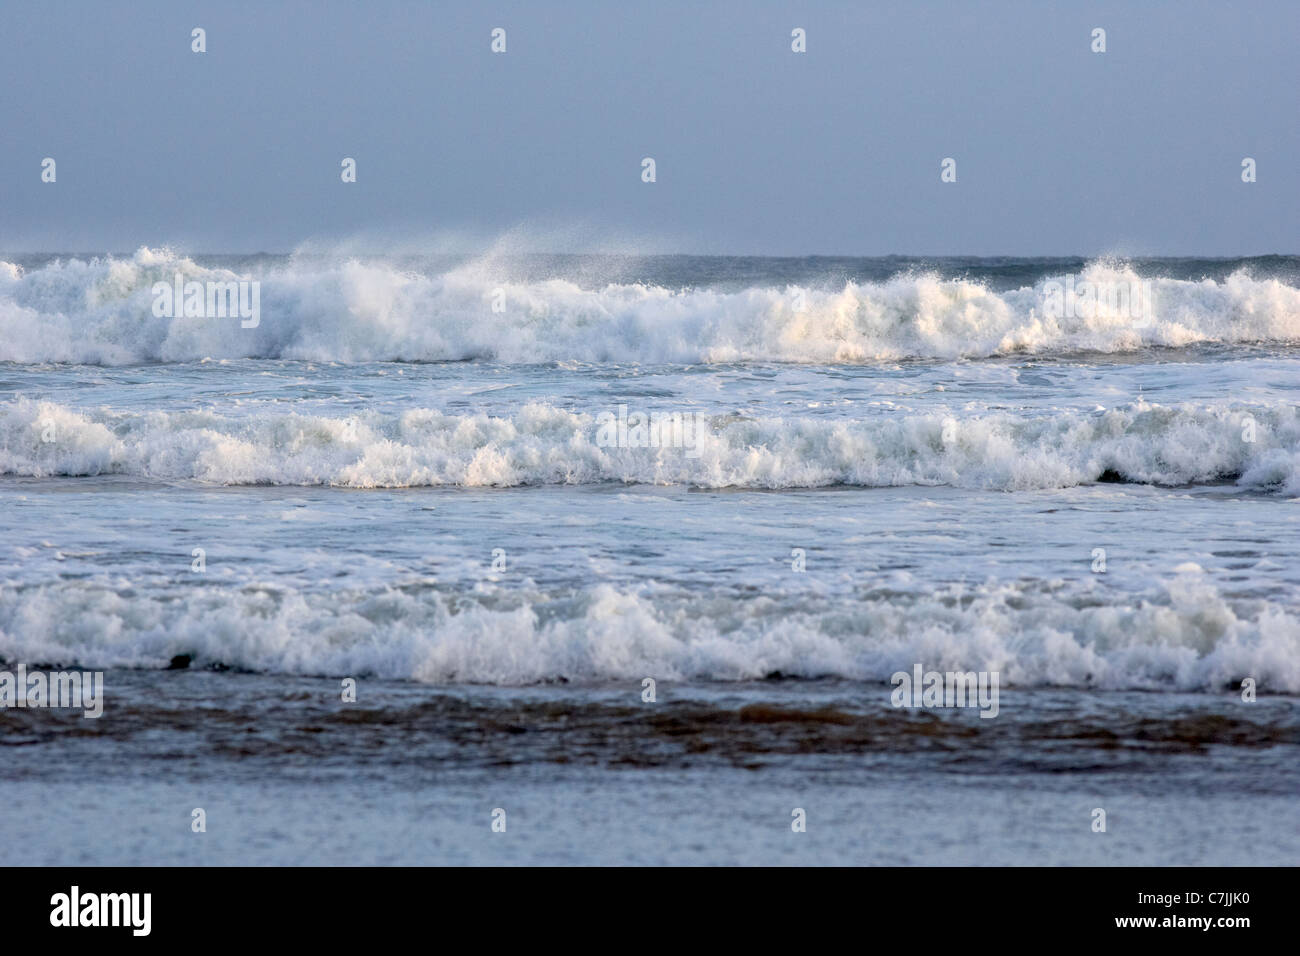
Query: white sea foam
1182,636
543,444
100,312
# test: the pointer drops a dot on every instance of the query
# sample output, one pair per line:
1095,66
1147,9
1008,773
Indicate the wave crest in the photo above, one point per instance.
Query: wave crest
100,312
1183,636
1257,446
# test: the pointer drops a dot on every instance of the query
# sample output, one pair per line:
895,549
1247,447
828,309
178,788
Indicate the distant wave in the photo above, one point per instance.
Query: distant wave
1183,636
100,312
1258,447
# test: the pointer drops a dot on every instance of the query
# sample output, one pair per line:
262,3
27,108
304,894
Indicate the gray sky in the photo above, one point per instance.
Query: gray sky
758,149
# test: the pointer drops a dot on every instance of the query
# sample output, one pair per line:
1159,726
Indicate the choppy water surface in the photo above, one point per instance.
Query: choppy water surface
392,480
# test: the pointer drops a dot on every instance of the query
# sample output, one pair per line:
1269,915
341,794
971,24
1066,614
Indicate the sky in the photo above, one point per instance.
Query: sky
758,149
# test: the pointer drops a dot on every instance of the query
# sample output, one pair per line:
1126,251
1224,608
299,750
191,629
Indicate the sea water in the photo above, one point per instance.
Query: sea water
398,477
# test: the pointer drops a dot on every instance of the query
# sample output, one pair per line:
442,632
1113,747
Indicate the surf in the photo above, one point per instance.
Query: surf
1254,446
99,311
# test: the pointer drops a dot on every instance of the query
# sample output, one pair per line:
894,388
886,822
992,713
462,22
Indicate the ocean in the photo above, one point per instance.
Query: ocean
631,548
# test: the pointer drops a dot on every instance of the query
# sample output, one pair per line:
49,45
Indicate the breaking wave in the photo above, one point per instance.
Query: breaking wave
1258,447
100,312
1182,636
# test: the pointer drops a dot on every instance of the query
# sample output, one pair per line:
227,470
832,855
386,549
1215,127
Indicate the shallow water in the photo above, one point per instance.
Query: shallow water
916,470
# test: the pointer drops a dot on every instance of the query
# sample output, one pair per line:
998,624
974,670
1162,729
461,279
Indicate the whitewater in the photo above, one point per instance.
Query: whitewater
99,311
398,473
542,444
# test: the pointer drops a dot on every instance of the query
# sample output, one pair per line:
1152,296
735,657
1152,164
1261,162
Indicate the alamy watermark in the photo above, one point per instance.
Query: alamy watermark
651,430
927,689
209,300
83,690
1085,299
130,910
